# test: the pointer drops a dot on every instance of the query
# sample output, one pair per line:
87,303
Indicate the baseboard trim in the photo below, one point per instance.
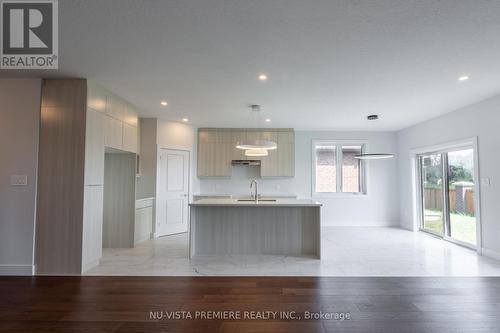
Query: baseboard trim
361,224
90,265
490,253
140,240
17,270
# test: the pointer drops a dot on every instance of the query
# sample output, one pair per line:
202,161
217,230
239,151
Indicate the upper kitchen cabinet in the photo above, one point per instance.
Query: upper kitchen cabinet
115,107
96,98
281,161
94,148
217,148
130,116
237,135
119,118
113,133
130,137
214,152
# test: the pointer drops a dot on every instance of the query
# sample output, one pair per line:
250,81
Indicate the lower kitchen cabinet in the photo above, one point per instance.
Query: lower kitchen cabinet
143,220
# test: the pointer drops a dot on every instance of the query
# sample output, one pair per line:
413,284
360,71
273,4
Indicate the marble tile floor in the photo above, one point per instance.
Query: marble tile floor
346,251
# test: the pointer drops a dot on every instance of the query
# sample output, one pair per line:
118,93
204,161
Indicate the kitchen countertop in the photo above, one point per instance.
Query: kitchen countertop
149,198
281,202
240,196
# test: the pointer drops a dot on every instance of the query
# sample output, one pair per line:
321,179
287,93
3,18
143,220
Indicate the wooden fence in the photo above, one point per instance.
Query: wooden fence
433,198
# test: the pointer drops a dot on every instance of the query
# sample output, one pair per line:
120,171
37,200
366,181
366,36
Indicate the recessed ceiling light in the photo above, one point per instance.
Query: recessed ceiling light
268,120
163,103
263,77
463,78
185,120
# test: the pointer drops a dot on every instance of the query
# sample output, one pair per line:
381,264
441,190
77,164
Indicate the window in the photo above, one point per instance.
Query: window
336,170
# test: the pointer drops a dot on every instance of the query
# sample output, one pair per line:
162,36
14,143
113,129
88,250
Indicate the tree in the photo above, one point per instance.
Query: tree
457,173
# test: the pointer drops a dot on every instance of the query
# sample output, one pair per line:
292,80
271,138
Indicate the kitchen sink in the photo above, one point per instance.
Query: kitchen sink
252,200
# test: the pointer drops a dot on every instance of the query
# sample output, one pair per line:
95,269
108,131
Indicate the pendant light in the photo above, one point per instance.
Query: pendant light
256,146
256,152
373,156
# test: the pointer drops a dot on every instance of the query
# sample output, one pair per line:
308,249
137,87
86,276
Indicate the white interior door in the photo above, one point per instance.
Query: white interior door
173,192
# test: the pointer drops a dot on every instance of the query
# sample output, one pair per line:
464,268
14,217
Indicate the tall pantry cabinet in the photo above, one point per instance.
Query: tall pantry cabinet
79,121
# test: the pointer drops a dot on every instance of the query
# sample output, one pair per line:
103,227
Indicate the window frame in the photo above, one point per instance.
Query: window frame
339,161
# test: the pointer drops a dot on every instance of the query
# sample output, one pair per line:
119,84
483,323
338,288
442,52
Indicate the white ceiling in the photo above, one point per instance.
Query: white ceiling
330,62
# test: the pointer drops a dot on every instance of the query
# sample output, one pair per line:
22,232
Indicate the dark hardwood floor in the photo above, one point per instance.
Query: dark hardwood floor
126,304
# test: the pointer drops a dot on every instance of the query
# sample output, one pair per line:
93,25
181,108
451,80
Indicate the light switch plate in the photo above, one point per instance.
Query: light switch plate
18,180
485,182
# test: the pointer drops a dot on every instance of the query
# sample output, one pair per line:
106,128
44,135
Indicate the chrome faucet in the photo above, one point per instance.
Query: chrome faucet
256,195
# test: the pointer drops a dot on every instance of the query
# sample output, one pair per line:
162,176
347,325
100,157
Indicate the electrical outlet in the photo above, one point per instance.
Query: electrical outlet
18,180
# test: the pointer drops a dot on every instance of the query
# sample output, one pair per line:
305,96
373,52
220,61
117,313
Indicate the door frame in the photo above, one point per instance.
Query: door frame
417,191
157,177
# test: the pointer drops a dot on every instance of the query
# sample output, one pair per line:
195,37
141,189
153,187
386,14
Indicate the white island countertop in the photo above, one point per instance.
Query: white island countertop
279,202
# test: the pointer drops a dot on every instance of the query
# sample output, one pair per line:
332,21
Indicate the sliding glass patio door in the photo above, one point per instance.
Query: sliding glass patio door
431,182
447,200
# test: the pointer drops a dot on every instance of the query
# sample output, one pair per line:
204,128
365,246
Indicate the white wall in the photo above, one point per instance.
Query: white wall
156,134
379,207
19,123
481,120
174,135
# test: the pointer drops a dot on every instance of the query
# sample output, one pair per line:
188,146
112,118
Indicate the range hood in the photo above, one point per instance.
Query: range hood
245,162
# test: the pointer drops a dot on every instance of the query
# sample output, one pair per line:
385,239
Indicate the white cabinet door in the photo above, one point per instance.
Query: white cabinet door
113,132
172,192
96,98
131,117
92,226
94,148
143,224
130,138
115,107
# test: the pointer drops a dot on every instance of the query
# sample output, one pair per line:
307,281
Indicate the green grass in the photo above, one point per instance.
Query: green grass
463,227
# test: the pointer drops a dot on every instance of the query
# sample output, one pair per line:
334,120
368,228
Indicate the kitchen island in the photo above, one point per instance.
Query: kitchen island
279,226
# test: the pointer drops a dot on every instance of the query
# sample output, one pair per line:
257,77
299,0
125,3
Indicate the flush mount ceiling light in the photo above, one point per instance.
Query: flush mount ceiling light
268,120
163,103
463,78
259,143
263,77
373,156
256,152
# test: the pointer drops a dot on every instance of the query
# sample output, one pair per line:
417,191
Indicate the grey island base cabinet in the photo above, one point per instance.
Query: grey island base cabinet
282,227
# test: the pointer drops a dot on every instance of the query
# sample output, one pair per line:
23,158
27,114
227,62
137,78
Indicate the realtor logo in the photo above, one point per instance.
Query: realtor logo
29,34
